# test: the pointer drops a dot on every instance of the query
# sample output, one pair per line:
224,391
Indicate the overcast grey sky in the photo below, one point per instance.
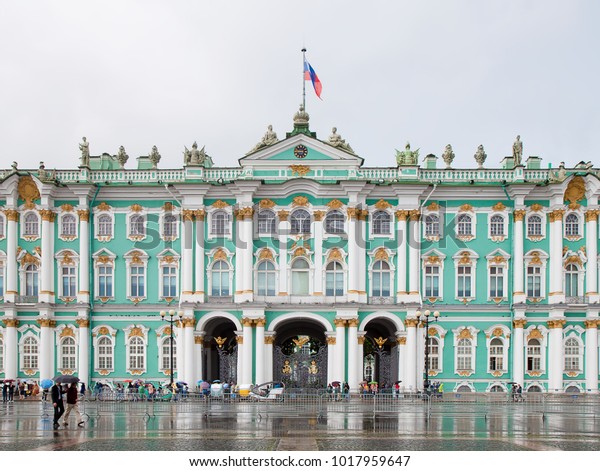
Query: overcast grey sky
166,73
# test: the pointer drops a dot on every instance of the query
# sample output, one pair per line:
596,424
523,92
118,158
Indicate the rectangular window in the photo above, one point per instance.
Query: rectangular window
464,282
432,281
137,281
1,282
169,282
381,283
496,282
105,282
534,282
68,282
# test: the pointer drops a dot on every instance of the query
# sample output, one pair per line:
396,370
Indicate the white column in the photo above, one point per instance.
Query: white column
179,372
340,349
199,352
12,217
187,255
83,294
240,357
518,351
83,350
353,378
555,356
517,261
247,243
414,249
411,354
10,348
362,256
591,246
360,352
46,352
401,265
420,369
401,363
247,365
318,264
591,355
47,281
260,351
269,339
239,260
189,346
556,294
353,228
199,257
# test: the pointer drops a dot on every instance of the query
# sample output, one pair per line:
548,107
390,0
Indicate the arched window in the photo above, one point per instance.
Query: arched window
534,226
170,226
68,226
382,223
463,388
534,355
136,225
104,225
31,280
496,225
31,225
300,277
334,279
334,222
369,367
166,354
571,280
572,225
266,222
30,353
137,284
496,355
572,354
68,281
105,353
381,278
220,223
464,225
496,388
432,225
67,354
464,353
220,279
300,222
534,389
137,353
169,281
433,348
572,390
265,278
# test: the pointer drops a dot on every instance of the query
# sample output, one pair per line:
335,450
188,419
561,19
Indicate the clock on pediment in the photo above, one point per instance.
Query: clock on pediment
300,151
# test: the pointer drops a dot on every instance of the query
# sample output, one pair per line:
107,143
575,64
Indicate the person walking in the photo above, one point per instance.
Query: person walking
72,405
4,392
11,392
57,403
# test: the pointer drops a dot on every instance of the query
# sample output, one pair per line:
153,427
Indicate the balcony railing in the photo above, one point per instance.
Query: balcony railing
26,299
576,300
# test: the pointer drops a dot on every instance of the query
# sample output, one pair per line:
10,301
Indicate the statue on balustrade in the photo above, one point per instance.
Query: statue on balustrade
407,156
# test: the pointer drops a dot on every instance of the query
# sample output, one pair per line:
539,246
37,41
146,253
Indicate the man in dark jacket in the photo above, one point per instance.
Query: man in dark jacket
57,402
72,405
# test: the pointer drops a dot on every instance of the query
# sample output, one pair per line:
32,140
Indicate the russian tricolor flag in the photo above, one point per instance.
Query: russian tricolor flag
310,74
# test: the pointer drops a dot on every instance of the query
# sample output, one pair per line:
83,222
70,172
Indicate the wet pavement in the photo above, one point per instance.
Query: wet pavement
237,427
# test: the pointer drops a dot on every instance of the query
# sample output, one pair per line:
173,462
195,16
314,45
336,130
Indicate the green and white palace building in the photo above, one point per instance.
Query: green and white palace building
303,265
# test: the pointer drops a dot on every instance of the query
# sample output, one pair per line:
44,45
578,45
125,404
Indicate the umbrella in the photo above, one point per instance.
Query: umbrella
199,382
335,384
9,380
216,381
127,380
179,384
46,383
66,379
204,385
373,382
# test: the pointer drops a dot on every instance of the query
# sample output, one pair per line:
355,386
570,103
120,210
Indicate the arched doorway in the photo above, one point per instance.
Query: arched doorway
300,354
220,350
380,353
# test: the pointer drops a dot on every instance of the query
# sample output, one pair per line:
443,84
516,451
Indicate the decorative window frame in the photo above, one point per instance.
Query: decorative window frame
498,258
62,332
327,235
97,215
382,254
219,207
163,333
133,331
574,332
169,211
542,335
579,260
168,258
136,210
31,237
437,331
215,255
501,332
466,258
311,217
25,259
573,384
504,235
97,333
271,209
136,258
262,254
494,384
580,225
336,254
538,258
61,235
465,332
383,207
468,384
466,209
2,226
3,274
104,257
69,258
304,255
542,215
433,258
28,331
534,384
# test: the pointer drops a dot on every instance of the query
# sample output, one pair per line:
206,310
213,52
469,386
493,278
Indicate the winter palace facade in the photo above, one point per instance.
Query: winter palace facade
304,266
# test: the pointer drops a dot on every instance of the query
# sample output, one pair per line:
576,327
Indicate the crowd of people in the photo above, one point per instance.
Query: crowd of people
20,390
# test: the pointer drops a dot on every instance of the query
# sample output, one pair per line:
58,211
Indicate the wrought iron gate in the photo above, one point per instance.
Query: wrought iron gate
301,369
228,364
384,368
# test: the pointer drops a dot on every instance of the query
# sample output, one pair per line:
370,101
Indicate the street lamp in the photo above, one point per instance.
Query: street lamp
172,319
424,317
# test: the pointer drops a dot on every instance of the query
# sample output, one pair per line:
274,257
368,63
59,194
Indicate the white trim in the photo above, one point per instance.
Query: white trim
505,339
501,237
542,216
473,331
473,257
129,216
161,263
97,216
31,237
544,260
112,335
143,256
580,225
372,211
61,234
543,346
127,330
211,211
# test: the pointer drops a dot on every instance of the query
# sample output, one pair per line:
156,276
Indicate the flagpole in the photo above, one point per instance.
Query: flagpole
303,79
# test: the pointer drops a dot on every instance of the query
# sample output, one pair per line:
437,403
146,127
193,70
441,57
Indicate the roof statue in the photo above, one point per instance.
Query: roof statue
122,157
301,117
197,157
560,176
154,157
517,151
448,156
84,147
480,156
268,139
45,175
407,156
336,140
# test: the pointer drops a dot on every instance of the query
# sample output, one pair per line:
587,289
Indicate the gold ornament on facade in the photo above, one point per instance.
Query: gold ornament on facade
465,334
414,214
380,341
66,207
198,339
519,214
28,258
28,191
136,332
286,369
188,214
591,323
591,215
300,201
299,252
410,322
401,215
265,254
247,322
362,214
301,340
47,215
535,259
360,339
499,206
260,322
382,204
136,258
497,332
535,334
168,260
103,207
30,372
199,214
136,372
11,214
432,332
330,340
168,206
103,372
220,254
67,332
575,190
574,206
497,373
189,322
433,260
433,206
465,258
11,322
84,215
556,323
269,339
66,372
572,374
319,215
536,207
520,323
432,373
573,259
352,212
339,322
381,254
103,331
352,322
283,215
466,208
300,170
245,213
465,372
44,322
498,260
266,203
335,204
105,260
83,322
556,215
534,373
401,340
335,255
220,204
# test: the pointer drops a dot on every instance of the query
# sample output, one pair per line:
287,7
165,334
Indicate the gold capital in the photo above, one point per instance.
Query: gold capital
82,322
409,322
200,214
556,323
318,215
11,322
519,214
47,215
401,215
591,215
12,214
591,323
414,215
519,323
84,214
